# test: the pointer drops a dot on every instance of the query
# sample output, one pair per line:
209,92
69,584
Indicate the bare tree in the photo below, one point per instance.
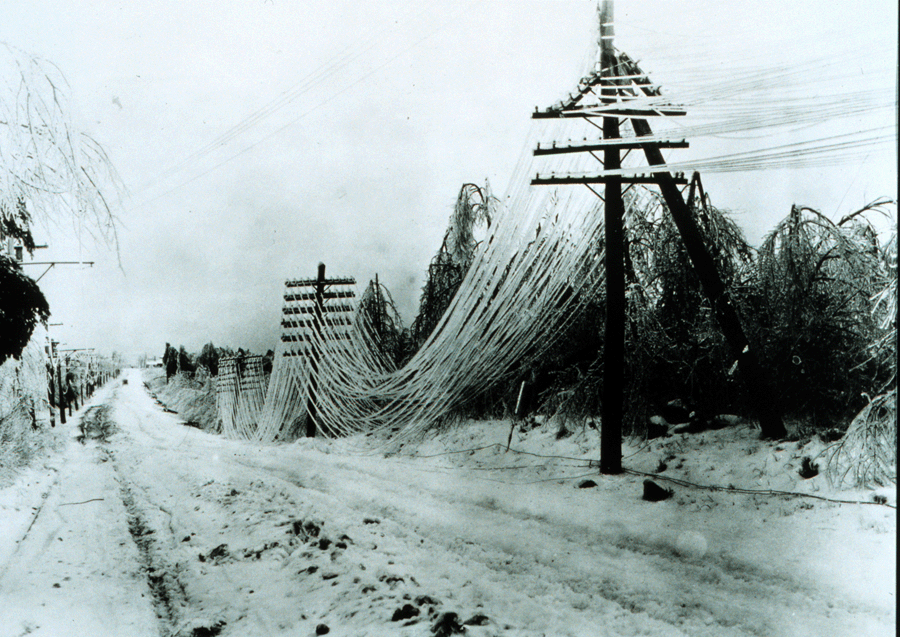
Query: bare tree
50,172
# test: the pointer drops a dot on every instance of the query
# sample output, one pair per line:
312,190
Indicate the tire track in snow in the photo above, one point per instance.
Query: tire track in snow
76,571
156,570
163,585
722,595
212,574
575,570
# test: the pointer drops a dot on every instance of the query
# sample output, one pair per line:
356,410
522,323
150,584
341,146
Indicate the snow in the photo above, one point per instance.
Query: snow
197,535
74,569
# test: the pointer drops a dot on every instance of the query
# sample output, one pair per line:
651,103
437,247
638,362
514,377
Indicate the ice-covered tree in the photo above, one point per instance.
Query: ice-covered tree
50,173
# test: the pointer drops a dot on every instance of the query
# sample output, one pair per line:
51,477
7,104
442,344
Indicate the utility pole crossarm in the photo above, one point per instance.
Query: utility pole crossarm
56,263
678,178
50,264
601,144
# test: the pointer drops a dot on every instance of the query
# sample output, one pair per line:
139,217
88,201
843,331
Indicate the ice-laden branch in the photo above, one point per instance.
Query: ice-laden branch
60,173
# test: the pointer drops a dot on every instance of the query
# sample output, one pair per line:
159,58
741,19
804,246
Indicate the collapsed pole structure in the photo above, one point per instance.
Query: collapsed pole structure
613,94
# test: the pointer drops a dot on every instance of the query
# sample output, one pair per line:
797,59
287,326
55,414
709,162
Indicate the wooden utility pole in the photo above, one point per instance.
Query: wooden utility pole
621,81
51,386
62,393
613,217
311,407
308,322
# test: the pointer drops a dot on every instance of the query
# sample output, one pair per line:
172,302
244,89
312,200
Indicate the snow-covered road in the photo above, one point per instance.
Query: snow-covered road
197,535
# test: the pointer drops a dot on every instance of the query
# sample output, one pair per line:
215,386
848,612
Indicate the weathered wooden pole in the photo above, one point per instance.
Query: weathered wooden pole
769,415
318,312
52,392
62,393
613,216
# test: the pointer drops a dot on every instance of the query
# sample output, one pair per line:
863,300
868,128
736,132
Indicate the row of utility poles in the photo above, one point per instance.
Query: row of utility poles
62,394
65,390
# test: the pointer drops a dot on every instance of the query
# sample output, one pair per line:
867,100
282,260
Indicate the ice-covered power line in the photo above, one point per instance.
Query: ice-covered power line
753,95
370,44
543,253
352,52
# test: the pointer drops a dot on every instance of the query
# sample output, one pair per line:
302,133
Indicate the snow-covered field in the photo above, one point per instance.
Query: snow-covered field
151,527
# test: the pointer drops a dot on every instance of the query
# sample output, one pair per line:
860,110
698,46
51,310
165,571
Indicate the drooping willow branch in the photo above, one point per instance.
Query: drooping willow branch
51,173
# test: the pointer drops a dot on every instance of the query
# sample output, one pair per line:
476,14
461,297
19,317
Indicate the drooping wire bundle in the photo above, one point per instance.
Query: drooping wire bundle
542,251
519,290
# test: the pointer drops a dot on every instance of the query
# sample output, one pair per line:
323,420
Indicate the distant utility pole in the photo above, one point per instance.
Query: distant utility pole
311,406
50,351
61,399
308,309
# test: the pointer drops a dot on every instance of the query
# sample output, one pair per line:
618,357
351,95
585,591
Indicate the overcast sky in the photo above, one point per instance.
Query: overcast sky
259,137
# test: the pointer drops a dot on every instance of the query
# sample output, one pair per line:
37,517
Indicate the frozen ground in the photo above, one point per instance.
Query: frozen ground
150,527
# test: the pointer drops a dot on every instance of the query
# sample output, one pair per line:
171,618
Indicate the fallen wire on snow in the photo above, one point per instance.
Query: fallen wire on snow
795,494
447,453
66,504
678,481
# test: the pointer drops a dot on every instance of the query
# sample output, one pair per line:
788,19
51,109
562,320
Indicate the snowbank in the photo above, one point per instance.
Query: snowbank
194,399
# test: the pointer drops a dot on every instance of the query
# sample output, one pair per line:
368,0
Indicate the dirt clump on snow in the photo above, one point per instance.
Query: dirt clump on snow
95,424
655,493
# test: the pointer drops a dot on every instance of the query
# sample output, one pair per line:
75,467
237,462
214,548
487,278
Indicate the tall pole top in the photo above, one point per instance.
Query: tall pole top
607,66
607,30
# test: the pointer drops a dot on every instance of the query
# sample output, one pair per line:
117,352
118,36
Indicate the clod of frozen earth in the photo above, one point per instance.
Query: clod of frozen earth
655,493
447,624
407,611
808,468
216,555
430,602
477,620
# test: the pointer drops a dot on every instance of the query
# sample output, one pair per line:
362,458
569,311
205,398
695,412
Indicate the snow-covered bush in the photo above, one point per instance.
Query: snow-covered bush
815,287
24,408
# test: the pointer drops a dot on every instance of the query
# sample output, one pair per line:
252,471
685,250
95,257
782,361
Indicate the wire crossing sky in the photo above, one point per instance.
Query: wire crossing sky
259,137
